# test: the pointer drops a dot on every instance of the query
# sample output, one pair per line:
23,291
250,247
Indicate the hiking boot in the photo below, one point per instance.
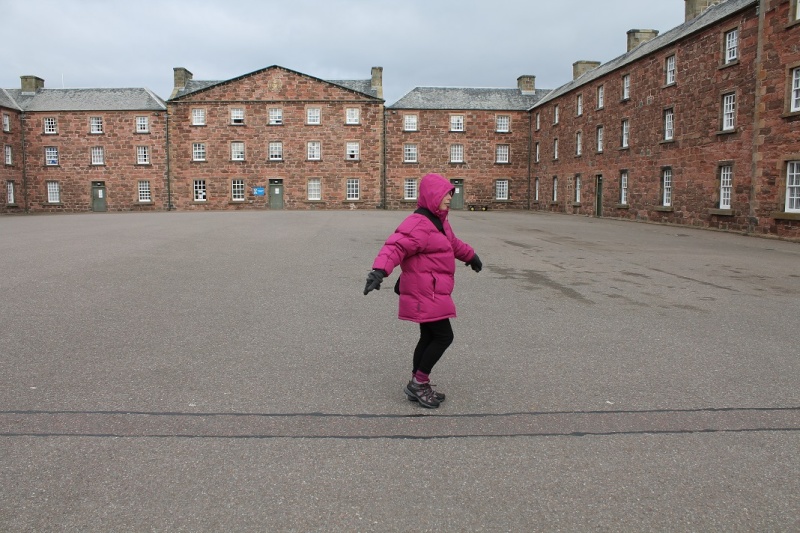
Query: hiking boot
422,393
439,395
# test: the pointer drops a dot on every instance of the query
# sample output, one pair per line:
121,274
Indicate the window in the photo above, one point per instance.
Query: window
555,114
725,186
353,151
98,157
456,122
666,187
731,46
199,190
623,187
51,156
555,148
626,131
313,115
10,193
50,126
314,150
314,187
275,116
537,152
456,153
276,151
198,152
237,151
6,122
8,159
555,189
237,116
410,189
577,188
669,68
410,123
95,124
796,8
409,153
578,143
669,124
793,187
503,123
536,189
142,155
144,191
599,138
626,87
579,105
353,189
53,192
352,115
538,121
502,153
198,117
728,112
142,125
601,97
795,95
501,190
237,190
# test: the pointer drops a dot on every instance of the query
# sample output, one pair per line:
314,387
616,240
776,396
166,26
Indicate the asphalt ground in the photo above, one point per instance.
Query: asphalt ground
224,372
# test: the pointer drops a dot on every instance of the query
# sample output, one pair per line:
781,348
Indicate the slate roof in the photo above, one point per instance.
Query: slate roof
7,101
709,17
137,99
468,98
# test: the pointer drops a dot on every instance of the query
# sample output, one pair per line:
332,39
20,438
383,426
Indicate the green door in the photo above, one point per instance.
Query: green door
276,194
99,196
598,203
458,195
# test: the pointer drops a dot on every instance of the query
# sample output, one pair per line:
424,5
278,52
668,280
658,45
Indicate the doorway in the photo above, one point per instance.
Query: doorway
598,201
99,203
457,202
276,194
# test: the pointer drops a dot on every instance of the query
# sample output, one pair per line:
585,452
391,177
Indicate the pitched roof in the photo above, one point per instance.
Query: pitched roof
137,99
468,98
6,100
710,16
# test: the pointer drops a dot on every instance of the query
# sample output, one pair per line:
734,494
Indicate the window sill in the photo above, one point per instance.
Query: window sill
199,125
349,160
622,206
624,148
726,65
53,204
353,201
726,132
411,162
554,203
625,100
238,161
502,163
667,141
141,132
792,23
12,205
457,163
149,202
721,212
200,202
199,161
274,160
576,204
664,209
143,165
791,114
780,215
668,85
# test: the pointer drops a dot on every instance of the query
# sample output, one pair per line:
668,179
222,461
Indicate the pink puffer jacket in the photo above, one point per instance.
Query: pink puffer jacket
426,257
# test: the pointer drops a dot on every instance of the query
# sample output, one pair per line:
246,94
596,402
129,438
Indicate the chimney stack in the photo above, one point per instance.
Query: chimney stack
181,77
637,37
377,80
579,68
694,8
31,84
527,84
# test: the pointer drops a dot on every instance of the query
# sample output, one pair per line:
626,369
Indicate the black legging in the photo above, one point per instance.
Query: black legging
434,338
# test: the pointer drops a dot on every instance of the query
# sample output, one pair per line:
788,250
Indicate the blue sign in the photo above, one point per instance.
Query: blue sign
258,191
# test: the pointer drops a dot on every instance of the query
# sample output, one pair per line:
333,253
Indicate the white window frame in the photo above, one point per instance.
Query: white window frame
353,151
142,155
503,123
669,124
792,204
538,121
314,116
456,153
275,151
457,123
353,189
794,97
725,186
729,112
314,150
95,125
9,160
796,7
626,87
503,153
410,122
51,156
198,151
555,148
600,144
501,189
200,194
536,189
237,151
98,155
142,124
623,187
579,143
198,117
538,152
314,189
555,188
145,195
626,132
555,114
275,116
577,188
670,70
410,189
666,187
579,105
237,190
6,122
10,200
352,116
237,116
410,153
53,192
731,46
50,126
601,96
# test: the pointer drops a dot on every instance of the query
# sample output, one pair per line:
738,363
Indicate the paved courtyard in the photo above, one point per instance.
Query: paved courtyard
223,371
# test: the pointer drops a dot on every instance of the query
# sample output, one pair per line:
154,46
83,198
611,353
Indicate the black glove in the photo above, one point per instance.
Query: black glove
374,280
475,263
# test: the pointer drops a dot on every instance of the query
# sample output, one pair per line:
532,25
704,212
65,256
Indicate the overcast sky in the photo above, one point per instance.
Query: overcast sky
451,43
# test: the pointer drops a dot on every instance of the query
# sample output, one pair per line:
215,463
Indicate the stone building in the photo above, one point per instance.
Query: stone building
69,150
